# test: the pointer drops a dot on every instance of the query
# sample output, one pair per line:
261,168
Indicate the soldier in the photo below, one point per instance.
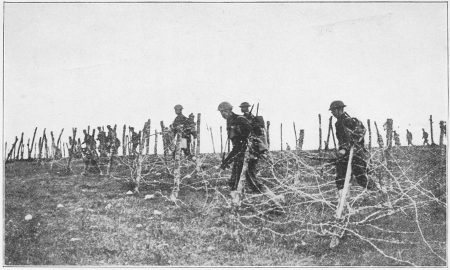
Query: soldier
443,127
396,139
244,109
239,132
101,137
135,138
350,132
110,142
425,137
409,137
187,126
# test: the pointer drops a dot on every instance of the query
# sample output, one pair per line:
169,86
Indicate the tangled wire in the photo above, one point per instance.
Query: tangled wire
414,178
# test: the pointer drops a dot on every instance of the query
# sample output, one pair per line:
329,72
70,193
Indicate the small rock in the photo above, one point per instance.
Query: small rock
149,196
74,239
129,192
108,206
138,226
28,217
79,209
187,177
158,174
60,206
216,167
156,212
211,248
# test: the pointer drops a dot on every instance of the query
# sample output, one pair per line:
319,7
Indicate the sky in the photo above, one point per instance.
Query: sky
78,64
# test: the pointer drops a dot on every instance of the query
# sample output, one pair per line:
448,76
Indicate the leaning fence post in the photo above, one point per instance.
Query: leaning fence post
32,143
329,131
370,134
379,138
268,136
198,134
20,144
295,133
21,152
300,140
176,171
320,133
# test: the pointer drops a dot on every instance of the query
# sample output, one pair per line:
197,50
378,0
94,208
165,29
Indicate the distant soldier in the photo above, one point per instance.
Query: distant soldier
443,127
288,147
350,133
425,137
89,142
409,137
112,144
396,139
135,138
101,137
239,132
187,127
244,109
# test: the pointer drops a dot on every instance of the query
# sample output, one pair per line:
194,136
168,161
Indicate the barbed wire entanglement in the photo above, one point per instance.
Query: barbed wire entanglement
414,178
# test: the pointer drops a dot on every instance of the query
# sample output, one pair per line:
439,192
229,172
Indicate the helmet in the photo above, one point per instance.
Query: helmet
178,107
244,104
224,106
337,104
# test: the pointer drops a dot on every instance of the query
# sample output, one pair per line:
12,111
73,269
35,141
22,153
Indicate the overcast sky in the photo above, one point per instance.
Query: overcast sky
79,64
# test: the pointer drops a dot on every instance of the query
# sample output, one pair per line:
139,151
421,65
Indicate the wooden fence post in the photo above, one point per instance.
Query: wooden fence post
198,134
370,134
71,150
164,140
300,140
20,145
379,137
281,135
221,141
113,150
330,126
176,172
431,130
156,142
268,136
320,133
124,143
140,156
12,149
212,140
32,143
21,151
147,140
295,133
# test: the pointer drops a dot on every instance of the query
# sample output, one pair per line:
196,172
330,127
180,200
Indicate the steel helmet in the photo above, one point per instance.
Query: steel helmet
178,107
244,104
224,106
337,104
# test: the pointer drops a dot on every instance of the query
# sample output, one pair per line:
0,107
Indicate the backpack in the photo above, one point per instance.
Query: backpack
260,144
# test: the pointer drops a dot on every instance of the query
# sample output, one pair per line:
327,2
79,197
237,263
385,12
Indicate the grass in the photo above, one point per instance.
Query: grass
101,225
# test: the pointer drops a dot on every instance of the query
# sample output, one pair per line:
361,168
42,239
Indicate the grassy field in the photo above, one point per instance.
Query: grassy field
99,224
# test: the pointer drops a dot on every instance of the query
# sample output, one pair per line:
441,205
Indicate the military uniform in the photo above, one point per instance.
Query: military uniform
134,140
187,126
238,130
350,131
425,137
409,137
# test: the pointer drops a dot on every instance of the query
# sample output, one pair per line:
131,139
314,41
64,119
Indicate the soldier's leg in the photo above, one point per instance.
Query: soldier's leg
252,181
341,170
359,169
236,171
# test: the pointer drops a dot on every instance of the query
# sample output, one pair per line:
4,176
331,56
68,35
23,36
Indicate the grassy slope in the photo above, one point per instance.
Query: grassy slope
188,235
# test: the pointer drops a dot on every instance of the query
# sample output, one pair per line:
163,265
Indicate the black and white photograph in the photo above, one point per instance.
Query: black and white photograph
225,134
